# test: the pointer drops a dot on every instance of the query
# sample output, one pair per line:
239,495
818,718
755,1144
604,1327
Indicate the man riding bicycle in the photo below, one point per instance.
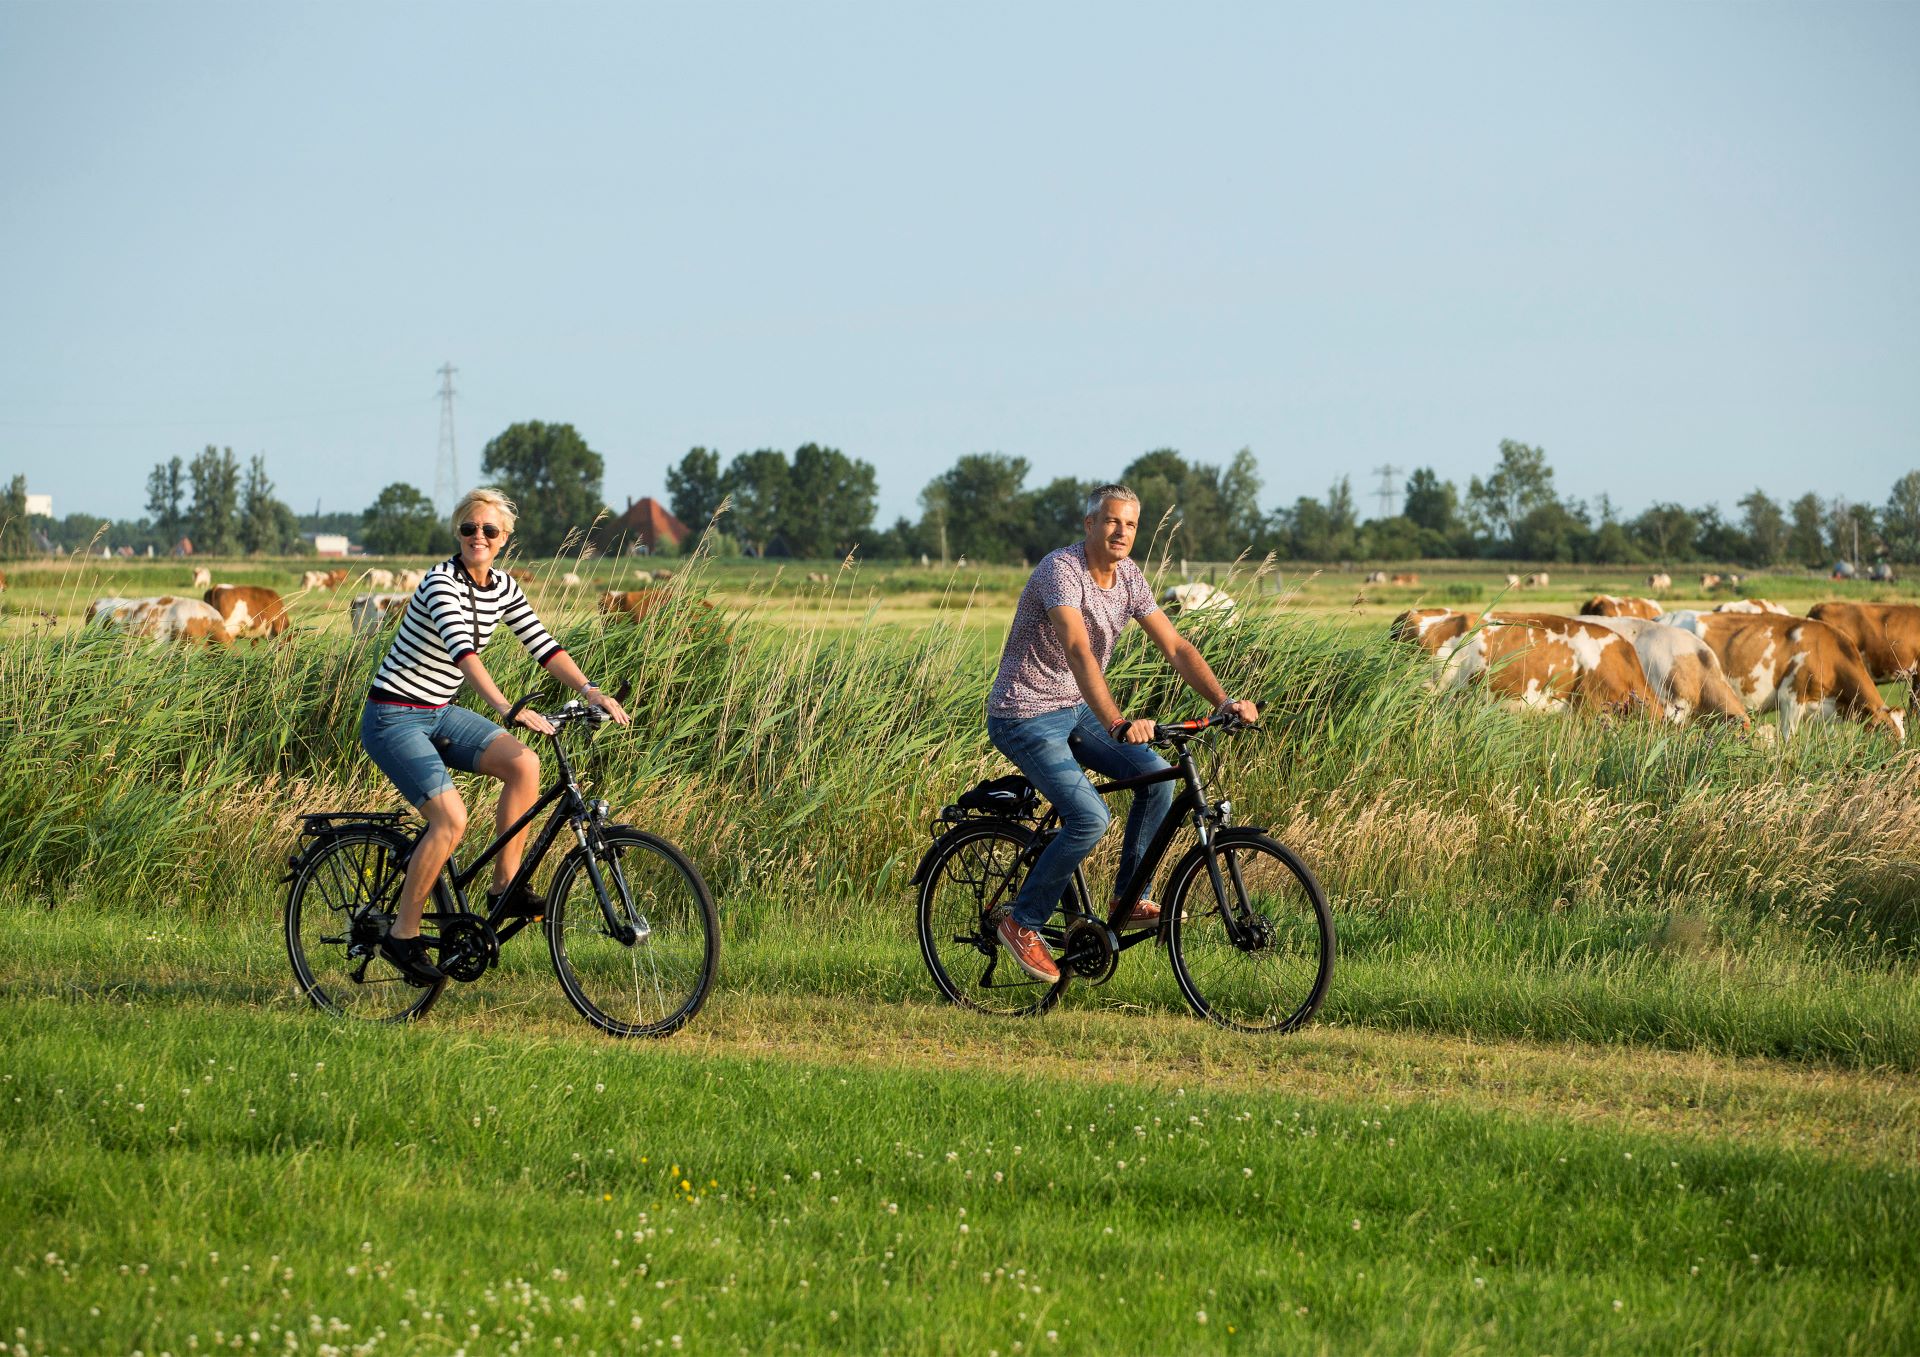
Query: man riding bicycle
1050,712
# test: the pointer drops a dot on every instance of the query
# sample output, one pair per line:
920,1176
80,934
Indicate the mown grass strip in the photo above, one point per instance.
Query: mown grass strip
254,1172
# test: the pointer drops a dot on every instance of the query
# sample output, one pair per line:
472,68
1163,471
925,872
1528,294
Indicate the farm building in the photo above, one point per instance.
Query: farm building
650,527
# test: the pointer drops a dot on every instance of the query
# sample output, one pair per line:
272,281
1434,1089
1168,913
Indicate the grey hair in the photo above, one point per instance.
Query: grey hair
1101,494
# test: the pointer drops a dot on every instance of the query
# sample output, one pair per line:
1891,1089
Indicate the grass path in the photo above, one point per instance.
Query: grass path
191,1158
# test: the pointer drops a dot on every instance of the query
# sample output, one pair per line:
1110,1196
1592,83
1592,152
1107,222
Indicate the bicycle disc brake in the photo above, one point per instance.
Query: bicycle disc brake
1092,952
468,947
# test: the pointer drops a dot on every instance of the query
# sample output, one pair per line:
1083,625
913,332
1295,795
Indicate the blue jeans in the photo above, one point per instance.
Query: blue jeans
1050,750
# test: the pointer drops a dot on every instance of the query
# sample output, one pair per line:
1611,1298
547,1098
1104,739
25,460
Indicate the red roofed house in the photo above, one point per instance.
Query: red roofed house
650,526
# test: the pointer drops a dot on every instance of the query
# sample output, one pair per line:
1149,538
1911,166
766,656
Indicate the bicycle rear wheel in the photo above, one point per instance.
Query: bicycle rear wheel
336,914
1270,972
649,970
976,873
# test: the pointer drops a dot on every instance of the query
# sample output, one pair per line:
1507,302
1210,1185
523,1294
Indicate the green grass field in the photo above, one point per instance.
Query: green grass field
1622,1053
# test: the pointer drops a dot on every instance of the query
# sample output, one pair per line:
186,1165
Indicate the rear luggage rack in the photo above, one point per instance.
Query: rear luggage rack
322,821
1000,798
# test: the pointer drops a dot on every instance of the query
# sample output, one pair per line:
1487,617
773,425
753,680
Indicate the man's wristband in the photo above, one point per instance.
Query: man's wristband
1118,726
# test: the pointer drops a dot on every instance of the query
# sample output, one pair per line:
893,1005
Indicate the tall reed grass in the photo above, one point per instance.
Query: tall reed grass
801,765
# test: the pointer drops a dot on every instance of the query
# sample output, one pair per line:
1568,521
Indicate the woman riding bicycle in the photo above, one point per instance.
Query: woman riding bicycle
413,732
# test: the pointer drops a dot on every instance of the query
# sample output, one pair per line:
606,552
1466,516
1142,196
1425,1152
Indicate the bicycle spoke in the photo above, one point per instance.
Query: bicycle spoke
976,876
653,983
334,916
1260,958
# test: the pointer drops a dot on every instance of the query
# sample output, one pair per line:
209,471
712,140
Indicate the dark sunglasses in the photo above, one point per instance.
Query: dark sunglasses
492,530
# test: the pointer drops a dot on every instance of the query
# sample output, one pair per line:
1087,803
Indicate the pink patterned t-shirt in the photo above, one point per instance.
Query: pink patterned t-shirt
1034,676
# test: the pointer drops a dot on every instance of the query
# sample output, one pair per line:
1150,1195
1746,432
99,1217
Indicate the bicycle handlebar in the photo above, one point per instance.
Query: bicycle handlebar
1186,730
571,711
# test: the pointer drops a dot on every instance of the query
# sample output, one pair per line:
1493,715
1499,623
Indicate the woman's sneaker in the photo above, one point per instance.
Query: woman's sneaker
1029,950
409,957
524,904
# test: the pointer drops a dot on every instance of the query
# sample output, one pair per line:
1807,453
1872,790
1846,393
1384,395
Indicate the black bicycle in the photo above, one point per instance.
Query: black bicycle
1243,919
632,928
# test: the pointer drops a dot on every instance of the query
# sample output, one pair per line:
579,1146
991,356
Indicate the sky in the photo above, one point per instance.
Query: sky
1673,245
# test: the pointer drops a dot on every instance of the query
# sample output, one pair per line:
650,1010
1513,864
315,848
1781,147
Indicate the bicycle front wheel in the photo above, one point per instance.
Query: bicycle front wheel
1259,960
976,874
634,933
337,912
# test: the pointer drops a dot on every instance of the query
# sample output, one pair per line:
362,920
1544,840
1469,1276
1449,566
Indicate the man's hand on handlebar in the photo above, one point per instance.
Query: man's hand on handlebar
1138,731
1246,711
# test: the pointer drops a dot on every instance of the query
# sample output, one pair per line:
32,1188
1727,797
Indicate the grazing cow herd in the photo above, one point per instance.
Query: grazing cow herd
1630,657
227,612
1620,656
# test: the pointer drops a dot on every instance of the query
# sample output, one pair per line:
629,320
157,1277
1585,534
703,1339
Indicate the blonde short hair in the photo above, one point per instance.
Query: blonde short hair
493,499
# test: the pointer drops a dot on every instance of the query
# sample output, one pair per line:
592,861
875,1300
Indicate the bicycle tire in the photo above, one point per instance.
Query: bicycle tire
345,893
651,986
1275,983
974,871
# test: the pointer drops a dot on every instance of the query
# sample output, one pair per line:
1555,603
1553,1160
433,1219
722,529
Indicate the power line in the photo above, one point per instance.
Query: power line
446,466
1389,492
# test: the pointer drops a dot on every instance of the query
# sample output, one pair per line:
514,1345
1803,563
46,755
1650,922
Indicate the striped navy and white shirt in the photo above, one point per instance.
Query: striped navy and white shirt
452,615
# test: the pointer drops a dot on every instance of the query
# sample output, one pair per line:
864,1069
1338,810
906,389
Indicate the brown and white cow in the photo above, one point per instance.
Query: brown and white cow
1539,579
632,604
1533,661
406,581
1886,634
249,609
380,579
1682,670
202,577
1660,579
1753,605
1376,577
1612,605
371,612
1709,582
165,618
1800,667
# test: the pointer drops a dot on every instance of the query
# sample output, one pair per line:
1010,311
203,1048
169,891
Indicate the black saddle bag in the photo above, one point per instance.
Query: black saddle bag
1011,797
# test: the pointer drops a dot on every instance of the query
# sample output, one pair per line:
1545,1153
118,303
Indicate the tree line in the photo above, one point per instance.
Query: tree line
983,509
818,502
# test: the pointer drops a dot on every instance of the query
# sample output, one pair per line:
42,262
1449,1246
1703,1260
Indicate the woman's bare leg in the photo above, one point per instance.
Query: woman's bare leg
518,769
446,824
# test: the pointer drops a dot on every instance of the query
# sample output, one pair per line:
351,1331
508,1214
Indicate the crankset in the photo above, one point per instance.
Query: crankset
468,947
1093,952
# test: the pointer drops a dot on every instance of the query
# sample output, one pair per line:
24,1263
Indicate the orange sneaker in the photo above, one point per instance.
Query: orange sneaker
1028,949
1143,913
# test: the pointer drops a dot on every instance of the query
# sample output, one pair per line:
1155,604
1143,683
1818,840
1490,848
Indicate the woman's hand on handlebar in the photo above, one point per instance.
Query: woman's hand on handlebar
534,722
610,704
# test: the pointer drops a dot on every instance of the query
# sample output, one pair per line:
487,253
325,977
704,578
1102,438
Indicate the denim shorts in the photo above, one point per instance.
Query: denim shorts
414,746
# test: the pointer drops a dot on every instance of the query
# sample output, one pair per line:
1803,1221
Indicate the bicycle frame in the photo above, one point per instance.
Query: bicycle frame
1189,806
571,809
